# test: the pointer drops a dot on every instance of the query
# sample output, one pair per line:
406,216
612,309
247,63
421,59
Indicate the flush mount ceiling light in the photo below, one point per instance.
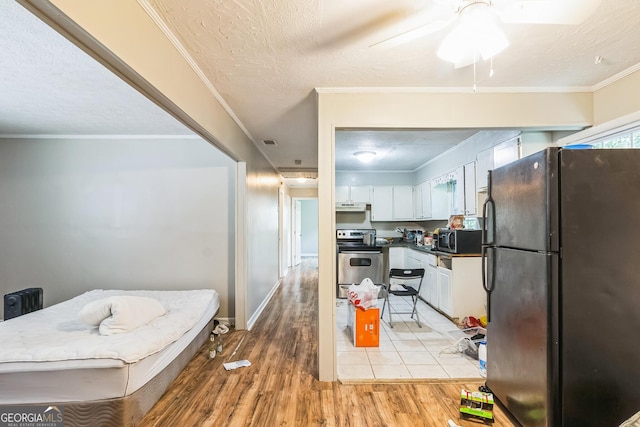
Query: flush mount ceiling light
476,35
365,156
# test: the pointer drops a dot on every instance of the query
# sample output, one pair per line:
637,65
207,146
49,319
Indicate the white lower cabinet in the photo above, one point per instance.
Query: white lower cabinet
459,287
444,291
451,284
431,276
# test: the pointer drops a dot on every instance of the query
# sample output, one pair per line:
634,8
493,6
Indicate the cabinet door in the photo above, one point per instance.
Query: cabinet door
425,290
361,194
431,276
342,193
445,294
485,164
425,189
417,201
439,201
382,203
458,192
506,152
402,202
470,196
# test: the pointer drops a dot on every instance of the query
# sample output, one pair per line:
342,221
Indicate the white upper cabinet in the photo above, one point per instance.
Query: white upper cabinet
485,164
417,201
342,193
392,203
458,192
354,194
439,201
425,199
382,203
361,194
470,196
402,202
506,152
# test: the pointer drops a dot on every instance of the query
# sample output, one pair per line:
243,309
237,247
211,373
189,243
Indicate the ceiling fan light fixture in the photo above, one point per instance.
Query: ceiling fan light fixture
365,156
477,35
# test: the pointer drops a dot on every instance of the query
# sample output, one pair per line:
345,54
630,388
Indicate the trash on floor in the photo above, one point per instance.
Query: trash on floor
476,404
216,338
364,295
235,365
364,326
468,342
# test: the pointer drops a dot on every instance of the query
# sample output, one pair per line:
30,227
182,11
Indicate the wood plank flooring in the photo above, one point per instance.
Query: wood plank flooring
280,388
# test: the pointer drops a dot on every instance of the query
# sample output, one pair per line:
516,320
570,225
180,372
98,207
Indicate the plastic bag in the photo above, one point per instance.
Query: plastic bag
364,295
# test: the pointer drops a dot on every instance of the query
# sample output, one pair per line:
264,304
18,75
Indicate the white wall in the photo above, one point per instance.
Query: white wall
137,49
309,227
355,178
81,214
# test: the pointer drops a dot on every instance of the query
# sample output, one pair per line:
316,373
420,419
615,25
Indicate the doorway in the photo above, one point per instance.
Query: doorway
305,228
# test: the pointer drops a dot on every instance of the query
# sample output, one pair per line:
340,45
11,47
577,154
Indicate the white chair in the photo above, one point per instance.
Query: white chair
403,290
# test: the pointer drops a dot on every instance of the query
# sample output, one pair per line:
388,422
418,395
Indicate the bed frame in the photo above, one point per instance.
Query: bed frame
129,410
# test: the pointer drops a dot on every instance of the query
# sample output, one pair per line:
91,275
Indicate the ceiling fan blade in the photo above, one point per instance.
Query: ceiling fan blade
414,33
567,12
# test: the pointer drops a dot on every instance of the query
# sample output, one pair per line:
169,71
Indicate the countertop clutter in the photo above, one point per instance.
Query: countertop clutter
426,249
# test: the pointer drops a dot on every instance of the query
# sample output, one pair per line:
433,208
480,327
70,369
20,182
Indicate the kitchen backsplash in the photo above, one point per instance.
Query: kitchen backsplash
383,229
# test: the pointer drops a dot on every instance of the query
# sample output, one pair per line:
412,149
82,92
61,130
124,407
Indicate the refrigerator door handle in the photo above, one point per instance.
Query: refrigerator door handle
487,282
488,215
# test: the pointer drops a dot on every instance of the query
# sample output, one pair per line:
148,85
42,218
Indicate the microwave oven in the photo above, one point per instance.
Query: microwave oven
459,241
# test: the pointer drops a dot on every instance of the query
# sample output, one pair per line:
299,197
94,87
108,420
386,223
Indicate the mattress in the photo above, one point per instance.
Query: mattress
100,372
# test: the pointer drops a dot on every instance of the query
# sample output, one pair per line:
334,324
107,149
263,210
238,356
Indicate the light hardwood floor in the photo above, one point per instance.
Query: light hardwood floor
280,388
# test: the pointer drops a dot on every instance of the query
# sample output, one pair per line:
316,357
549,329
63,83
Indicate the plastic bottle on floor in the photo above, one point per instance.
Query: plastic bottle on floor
482,358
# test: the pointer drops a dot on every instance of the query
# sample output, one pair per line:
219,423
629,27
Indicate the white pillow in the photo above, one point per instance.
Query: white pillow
121,314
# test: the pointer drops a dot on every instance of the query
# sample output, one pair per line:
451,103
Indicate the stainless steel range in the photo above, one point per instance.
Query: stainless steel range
358,258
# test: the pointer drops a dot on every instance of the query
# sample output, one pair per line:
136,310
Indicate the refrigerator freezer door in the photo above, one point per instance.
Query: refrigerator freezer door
524,208
520,335
600,286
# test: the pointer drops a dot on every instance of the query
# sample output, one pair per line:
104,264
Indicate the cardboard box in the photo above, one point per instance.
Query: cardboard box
364,325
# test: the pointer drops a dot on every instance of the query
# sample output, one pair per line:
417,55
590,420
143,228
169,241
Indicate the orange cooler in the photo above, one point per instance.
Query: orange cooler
365,326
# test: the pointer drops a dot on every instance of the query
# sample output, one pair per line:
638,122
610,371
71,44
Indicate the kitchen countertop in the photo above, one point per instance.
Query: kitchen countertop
426,249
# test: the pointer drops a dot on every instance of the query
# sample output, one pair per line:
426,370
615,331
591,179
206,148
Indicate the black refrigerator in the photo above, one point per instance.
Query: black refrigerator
562,274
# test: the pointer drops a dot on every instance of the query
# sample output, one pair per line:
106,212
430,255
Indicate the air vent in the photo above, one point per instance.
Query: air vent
298,173
269,142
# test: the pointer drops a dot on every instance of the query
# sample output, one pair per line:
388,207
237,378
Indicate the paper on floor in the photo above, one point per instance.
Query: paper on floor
237,364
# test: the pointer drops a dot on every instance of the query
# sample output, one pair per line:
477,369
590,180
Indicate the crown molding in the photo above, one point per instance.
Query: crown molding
93,136
194,66
401,90
617,77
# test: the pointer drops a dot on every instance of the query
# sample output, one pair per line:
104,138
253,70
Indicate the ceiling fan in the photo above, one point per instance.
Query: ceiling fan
476,32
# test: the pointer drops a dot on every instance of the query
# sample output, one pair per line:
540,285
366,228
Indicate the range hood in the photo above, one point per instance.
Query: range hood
350,207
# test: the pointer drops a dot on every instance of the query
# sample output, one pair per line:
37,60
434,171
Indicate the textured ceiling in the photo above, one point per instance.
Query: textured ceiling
404,150
266,57
48,86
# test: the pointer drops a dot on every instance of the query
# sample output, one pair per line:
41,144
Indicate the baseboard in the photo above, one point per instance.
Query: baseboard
254,317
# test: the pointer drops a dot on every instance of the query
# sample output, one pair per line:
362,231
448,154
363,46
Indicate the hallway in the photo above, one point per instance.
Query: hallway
280,388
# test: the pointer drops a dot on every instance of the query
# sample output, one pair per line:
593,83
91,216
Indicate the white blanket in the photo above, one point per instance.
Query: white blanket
121,314
56,333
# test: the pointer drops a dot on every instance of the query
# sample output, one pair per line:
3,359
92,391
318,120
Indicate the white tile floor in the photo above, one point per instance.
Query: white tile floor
406,351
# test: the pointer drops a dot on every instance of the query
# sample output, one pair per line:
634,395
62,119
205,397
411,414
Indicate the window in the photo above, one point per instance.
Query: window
627,139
